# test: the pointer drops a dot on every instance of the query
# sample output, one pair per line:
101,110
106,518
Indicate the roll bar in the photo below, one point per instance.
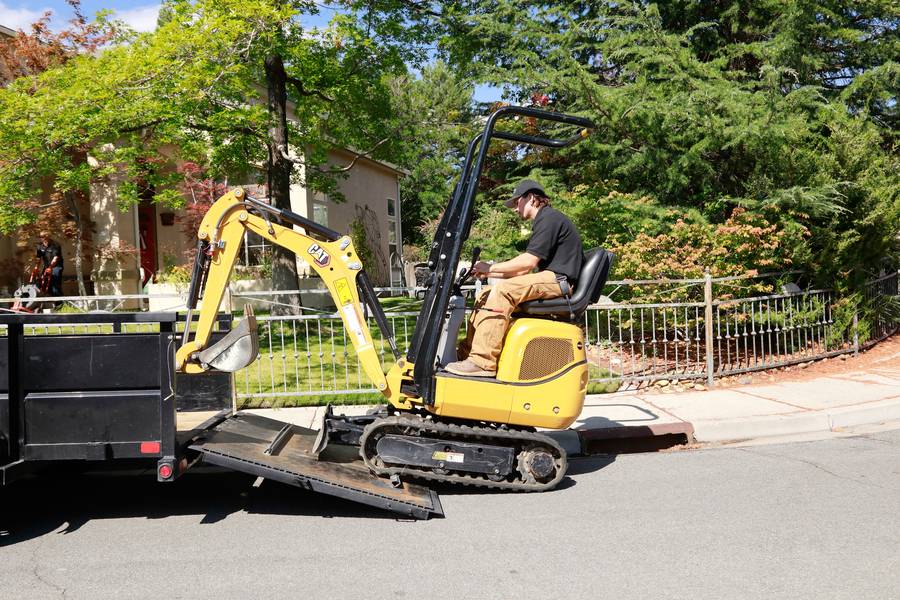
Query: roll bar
453,231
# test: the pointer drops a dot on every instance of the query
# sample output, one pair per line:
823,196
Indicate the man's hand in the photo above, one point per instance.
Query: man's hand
48,271
520,265
481,269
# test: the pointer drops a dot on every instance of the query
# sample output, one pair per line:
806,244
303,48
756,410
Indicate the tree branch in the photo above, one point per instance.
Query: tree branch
423,8
142,126
245,130
298,85
54,203
338,170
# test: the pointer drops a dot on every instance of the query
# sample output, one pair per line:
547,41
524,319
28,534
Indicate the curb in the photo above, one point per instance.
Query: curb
756,427
877,412
797,423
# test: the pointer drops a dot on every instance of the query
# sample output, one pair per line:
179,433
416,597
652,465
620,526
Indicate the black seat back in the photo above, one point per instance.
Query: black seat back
594,273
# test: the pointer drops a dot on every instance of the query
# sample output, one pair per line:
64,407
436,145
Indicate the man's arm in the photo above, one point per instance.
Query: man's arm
57,253
520,265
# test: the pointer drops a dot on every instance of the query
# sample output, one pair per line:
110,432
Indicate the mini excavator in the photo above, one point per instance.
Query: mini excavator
436,426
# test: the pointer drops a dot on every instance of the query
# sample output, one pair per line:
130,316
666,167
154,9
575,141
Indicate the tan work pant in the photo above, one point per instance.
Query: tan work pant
493,307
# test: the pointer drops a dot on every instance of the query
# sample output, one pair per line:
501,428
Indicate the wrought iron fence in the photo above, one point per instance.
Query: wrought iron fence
632,343
882,298
308,358
628,343
635,343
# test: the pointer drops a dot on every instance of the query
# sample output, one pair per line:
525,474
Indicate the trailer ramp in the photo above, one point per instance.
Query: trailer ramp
283,452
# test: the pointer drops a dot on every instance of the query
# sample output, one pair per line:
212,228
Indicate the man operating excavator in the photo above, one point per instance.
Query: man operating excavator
554,249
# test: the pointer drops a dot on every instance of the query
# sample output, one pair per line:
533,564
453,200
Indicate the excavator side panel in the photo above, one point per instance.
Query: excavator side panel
541,380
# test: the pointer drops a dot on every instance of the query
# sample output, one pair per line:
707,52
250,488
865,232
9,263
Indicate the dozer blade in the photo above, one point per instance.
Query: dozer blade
237,349
283,452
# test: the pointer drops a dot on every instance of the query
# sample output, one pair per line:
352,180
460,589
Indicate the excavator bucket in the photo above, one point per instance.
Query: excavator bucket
284,452
238,349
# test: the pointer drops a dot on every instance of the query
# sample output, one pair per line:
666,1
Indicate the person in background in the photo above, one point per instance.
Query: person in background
50,252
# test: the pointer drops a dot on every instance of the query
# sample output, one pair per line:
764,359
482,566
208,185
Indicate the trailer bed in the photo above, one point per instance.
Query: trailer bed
283,452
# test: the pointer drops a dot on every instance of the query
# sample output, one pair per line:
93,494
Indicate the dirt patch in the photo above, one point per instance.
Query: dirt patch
885,354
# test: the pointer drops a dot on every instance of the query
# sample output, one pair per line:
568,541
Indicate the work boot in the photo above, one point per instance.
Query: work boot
468,369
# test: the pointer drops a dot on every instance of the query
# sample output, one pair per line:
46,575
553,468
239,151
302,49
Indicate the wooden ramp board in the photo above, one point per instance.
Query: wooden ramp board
240,444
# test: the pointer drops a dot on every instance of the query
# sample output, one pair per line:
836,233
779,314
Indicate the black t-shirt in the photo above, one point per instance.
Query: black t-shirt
556,242
48,252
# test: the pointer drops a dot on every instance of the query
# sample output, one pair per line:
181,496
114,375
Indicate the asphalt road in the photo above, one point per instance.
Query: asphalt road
804,520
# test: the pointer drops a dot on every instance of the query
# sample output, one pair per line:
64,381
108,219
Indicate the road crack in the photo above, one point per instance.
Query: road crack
814,465
37,575
871,437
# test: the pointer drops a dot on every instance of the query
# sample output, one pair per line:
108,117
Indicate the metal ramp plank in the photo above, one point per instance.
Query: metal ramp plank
240,444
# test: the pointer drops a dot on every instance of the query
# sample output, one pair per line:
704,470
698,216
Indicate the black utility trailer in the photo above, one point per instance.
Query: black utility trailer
90,389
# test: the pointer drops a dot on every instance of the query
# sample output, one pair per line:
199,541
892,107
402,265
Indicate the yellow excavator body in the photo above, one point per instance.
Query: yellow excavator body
541,380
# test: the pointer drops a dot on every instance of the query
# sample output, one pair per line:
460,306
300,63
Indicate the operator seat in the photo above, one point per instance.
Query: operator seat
594,273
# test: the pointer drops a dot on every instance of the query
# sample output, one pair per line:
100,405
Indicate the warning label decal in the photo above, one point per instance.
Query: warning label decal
454,457
342,287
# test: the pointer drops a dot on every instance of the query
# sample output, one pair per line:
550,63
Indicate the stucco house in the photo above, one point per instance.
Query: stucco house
370,194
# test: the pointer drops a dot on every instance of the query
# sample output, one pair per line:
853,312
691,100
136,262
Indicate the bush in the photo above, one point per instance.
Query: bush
745,244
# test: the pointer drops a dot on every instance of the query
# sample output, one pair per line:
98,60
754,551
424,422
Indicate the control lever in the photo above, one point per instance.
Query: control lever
466,273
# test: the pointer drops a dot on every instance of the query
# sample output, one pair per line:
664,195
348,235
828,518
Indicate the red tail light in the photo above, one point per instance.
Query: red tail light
165,471
149,447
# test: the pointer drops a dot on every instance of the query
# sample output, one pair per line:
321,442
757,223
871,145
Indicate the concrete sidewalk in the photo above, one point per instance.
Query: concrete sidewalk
813,405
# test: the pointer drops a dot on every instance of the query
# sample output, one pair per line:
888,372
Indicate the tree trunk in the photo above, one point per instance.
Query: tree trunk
284,262
79,242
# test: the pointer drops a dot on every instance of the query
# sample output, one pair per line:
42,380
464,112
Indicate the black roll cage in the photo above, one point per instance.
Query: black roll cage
453,231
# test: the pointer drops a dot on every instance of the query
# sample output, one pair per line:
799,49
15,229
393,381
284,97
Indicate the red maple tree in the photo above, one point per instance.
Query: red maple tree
29,53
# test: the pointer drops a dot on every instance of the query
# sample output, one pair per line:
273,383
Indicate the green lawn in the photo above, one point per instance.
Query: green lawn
602,387
311,356
315,355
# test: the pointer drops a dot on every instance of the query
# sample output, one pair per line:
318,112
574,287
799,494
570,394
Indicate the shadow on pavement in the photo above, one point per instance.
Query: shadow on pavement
63,502
588,464
35,507
629,413
600,435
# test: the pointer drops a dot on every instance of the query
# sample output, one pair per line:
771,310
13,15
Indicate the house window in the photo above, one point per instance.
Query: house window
320,213
392,228
257,250
392,233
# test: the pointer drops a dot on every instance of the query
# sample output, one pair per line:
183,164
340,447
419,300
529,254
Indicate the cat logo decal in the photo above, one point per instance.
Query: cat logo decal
319,255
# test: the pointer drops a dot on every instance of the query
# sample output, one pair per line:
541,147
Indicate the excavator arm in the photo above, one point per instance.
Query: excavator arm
335,260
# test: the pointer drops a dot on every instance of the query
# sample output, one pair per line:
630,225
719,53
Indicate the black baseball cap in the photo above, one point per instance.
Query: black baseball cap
522,188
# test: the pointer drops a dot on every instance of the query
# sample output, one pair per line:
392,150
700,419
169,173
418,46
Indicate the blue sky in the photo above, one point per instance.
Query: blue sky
18,14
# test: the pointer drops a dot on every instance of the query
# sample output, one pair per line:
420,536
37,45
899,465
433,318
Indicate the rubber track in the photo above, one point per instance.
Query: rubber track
463,433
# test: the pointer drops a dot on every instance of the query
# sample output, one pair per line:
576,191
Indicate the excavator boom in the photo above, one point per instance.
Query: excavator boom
334,258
